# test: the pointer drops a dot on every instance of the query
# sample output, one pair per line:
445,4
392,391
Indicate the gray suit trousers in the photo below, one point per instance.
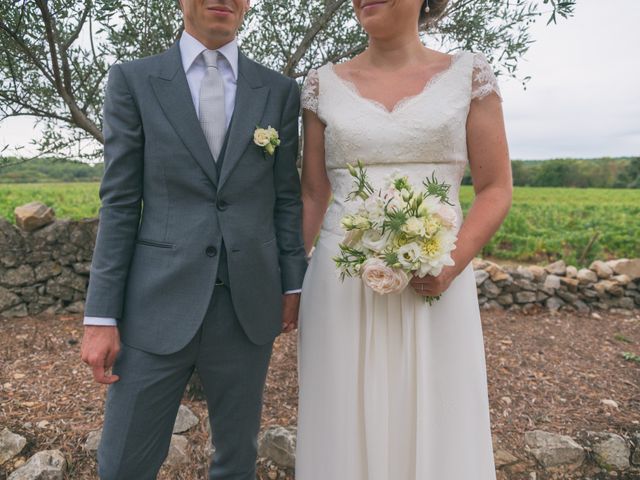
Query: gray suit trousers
142,406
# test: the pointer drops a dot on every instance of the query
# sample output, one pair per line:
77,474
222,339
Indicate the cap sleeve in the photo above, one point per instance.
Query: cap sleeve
484,80
310,89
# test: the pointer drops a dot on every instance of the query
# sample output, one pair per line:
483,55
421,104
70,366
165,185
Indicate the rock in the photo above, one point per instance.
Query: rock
607,286
622,279
551,449
178,451
502,458
8,299
631,268
601,268
635,458
496,273
46,270
570,283
524,272
525,284
489,304
11,444
490,289
93,441
609,403
587,276
33,215
525,297
625,303
479,264
581,306
481,276
611,451
557,268
572,272
75,307
589,293
45,465
552,281
538,272
17,311
185,420
279,445
553,303
59,291
541,296
82,268
72,280
16,277
568,297
505,299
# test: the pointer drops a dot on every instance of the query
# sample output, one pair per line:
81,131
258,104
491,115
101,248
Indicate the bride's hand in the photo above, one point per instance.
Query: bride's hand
430,286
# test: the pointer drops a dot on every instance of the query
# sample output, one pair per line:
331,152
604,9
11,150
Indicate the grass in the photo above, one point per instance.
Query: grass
544,224
69,200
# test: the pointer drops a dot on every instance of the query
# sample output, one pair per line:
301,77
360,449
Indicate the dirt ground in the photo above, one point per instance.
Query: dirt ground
545,371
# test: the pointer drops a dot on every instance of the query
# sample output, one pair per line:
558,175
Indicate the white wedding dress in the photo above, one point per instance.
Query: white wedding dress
391,388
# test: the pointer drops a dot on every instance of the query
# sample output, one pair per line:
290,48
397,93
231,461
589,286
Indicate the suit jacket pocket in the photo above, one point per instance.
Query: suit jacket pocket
153,243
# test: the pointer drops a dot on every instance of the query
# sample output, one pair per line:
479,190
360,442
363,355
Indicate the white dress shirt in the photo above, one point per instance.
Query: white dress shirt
195,69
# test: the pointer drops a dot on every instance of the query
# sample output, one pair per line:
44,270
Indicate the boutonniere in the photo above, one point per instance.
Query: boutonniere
267,139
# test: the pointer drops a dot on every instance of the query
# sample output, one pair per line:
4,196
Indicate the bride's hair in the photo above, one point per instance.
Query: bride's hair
436,10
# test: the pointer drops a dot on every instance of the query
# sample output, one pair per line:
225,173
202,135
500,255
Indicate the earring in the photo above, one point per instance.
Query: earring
426,8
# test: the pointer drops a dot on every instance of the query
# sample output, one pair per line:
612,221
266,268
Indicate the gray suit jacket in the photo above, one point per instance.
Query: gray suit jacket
166,210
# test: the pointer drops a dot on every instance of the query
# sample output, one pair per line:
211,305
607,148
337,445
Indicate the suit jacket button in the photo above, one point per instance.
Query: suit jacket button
211,251
222,205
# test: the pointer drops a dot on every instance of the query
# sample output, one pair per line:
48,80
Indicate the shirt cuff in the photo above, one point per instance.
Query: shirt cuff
100,321
289,292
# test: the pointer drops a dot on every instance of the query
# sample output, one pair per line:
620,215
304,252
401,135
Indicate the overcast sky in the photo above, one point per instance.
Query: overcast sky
583,99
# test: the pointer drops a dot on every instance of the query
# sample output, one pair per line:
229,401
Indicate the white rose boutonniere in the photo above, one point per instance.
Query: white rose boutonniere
266,138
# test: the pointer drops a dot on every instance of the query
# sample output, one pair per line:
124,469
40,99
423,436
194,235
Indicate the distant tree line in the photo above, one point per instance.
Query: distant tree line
570,172
49,170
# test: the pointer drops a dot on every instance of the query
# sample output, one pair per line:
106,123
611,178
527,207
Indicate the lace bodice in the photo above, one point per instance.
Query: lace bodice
423,134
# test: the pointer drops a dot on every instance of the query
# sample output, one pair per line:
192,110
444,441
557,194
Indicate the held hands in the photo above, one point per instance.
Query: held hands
430,286
290,308
100,346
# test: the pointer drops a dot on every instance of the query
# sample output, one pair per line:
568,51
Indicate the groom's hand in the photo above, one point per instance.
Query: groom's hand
290,308
100,346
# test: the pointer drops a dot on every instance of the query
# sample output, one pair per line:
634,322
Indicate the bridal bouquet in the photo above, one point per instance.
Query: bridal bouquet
396,232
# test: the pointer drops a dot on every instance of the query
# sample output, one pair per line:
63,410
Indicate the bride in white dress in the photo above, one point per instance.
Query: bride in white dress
390,387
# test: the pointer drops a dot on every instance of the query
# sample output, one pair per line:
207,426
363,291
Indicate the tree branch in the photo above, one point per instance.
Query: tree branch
78,28
26,50
315,28
63,86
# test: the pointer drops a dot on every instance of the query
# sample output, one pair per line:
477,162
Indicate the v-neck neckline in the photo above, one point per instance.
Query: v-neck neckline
352,87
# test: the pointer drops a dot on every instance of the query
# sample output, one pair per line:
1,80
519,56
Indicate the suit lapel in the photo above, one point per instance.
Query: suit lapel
251,100
173,94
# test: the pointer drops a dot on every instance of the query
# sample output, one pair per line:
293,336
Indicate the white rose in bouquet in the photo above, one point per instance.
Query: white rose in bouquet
374,240
381,278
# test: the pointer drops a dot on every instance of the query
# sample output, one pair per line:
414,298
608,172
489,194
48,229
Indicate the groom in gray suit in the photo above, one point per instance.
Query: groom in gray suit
199,258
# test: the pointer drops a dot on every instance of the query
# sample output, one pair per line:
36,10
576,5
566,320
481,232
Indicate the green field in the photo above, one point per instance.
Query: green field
544,224
69,200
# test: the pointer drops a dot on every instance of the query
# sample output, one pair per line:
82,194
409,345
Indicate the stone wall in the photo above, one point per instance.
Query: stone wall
610,285
47,270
